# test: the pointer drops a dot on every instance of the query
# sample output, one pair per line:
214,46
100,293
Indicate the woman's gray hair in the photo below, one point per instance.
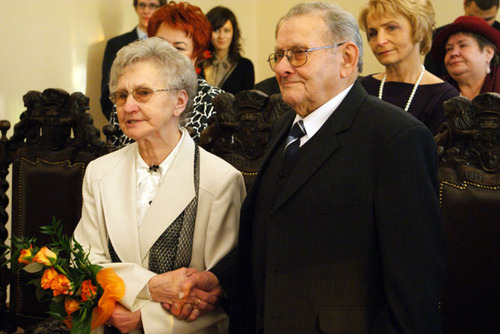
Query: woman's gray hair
342,25
176,69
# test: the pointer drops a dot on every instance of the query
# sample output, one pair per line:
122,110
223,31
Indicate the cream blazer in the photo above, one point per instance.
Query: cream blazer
109,211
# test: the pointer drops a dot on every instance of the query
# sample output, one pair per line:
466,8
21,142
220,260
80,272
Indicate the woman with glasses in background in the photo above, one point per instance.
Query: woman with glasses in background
226,68
399,32
160,209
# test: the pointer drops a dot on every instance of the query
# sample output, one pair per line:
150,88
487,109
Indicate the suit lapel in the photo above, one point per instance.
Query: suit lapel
325,143
175,193
121,215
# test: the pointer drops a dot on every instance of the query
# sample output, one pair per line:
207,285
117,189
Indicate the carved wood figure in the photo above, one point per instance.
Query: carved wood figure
240,130
469,175
49,150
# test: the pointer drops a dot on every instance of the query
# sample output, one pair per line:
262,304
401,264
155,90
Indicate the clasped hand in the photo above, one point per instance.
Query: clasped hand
186,292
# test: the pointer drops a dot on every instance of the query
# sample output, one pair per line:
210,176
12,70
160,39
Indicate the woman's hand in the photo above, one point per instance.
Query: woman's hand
124,320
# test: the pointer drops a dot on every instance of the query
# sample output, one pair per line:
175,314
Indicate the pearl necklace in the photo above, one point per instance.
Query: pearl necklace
414,90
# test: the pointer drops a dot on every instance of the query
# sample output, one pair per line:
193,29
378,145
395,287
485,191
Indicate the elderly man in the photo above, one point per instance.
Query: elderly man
341,231
485,9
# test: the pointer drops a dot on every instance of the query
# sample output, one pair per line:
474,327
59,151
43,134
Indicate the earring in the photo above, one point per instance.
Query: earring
488,69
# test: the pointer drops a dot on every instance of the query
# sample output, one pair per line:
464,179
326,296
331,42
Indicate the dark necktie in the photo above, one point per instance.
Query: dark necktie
293,140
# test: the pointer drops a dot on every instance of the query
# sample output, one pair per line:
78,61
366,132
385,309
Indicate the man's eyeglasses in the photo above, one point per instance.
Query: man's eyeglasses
143,5
119,98
296,56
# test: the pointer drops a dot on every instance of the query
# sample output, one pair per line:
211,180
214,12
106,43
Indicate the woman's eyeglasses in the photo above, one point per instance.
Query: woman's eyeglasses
143,5
119,98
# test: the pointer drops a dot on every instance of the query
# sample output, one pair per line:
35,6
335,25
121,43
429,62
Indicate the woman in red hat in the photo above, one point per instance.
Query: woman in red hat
469,49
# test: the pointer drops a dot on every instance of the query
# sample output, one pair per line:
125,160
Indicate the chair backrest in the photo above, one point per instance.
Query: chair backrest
469,175
51,146
240,130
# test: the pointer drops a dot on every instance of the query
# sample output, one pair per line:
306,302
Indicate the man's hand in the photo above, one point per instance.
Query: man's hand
166,287
199,295
124,320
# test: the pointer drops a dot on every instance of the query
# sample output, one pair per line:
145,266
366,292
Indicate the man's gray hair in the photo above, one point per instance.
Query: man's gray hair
342,25
174,67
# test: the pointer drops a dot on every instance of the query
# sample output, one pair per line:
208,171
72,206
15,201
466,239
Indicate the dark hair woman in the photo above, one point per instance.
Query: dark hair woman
227,69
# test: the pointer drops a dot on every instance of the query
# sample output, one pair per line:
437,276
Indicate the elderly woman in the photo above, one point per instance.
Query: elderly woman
399,32
162,204
227,68
469,49
188,30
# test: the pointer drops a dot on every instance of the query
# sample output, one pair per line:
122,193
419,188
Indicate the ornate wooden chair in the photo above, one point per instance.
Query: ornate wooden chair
240,131
51,146
469,174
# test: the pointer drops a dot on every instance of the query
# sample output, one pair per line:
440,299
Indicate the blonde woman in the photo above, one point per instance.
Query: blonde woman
399,32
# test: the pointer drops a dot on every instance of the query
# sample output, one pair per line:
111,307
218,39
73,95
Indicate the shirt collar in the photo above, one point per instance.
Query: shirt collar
140,34
315,120
142,169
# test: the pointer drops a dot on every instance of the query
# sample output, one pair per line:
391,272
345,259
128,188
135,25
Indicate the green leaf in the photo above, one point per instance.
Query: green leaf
57,309
33,267
81,322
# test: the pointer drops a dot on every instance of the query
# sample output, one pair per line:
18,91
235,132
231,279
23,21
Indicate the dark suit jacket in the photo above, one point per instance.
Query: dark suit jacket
112,47
354,243
438,68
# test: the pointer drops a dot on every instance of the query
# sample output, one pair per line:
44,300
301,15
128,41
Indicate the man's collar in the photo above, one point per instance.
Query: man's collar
315,120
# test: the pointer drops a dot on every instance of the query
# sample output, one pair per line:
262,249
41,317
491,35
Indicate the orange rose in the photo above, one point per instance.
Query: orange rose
26,255
45,256
88,290
59,284
48,276
71,305
68,321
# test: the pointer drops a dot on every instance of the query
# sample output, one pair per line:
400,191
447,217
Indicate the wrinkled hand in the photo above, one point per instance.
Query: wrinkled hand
166,287
124,320
199,295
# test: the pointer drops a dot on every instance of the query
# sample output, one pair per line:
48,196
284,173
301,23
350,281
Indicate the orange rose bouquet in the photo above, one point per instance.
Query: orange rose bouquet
83,295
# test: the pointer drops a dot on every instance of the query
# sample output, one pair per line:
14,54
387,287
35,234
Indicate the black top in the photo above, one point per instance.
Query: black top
436,68
427,104
112,47
241,78
269,86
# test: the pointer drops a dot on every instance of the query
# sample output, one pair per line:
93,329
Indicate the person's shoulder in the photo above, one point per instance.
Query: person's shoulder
107,163
124,39
245,62
496,25
438,29
216,168
207,89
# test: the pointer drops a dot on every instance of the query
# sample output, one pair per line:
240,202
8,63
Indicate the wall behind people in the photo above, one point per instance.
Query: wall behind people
60,43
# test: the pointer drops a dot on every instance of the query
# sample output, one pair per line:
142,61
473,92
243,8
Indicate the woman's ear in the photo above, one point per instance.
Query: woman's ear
350,55
490,52
181,102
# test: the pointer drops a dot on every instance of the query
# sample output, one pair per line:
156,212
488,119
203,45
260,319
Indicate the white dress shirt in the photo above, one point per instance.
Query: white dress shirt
315,120
148,181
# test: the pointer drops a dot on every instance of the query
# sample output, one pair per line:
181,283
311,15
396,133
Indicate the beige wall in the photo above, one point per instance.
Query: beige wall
59,43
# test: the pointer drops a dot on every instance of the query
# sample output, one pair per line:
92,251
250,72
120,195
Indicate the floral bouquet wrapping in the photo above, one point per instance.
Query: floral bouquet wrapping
83,295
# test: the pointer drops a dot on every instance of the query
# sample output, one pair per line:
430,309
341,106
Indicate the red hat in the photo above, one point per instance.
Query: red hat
472,24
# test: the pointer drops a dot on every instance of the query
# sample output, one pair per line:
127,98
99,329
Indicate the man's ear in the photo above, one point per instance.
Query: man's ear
349,63
181,102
